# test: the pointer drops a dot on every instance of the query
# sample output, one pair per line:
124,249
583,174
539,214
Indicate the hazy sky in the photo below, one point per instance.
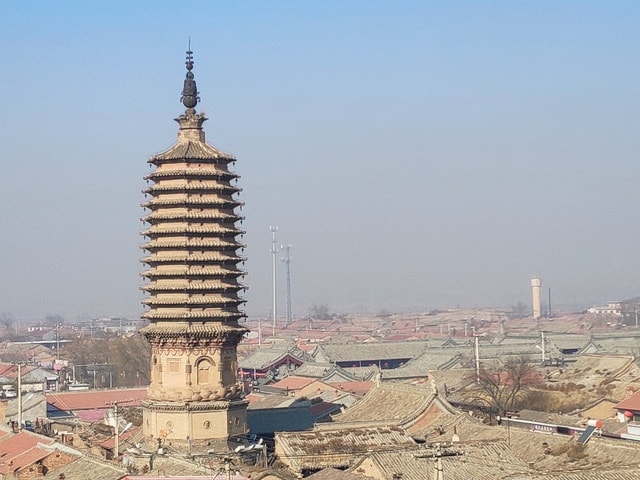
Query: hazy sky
415,154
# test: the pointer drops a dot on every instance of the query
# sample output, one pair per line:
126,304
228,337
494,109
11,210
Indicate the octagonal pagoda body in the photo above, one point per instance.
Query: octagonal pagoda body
193,283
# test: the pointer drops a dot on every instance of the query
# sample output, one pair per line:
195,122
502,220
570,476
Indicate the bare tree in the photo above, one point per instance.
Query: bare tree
519,310
320,311
501,386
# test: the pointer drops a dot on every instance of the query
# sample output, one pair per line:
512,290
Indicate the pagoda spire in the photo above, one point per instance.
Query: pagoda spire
190,96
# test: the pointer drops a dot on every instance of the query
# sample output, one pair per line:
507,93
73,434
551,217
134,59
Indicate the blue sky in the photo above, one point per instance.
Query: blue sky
415,154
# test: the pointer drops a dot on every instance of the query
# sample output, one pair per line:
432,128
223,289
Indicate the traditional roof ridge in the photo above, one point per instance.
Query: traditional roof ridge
189,228
191,315
191,185
192,270
186,171
181,330
194,257
171,215
192,242
191,150
191,285
186,299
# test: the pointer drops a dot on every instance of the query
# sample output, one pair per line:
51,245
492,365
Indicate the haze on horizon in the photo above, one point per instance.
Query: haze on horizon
415,154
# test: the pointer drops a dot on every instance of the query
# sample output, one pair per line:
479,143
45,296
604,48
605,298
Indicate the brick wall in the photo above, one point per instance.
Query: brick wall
38,470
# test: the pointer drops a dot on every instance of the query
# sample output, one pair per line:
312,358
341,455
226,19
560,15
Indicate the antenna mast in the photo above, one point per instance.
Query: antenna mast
287,262
274,253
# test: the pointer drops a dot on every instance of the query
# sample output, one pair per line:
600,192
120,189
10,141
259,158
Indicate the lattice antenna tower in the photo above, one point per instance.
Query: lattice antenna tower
287,264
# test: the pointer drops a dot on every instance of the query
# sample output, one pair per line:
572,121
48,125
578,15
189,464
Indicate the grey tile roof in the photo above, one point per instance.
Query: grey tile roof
85,467
432,359
331,373
336,448
313,369
478,462
388,404
264,357
197,150
335,474
352,352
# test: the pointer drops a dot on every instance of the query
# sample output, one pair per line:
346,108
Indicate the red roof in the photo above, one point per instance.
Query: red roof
293,383
22,460
15,444
21,449
10,370
97,399
632,403
357,388
91,416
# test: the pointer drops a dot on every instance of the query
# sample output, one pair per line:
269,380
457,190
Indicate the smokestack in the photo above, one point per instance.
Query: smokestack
535,287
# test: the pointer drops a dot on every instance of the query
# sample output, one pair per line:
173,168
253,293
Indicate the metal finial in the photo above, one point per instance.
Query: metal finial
189,91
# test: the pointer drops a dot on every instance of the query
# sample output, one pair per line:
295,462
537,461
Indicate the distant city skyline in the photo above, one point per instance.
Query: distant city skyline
416,155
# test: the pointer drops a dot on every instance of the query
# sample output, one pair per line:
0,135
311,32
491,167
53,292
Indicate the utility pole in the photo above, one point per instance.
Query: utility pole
259,332
477,349
58,341
117,439
438,471
274,253
116,448
19,397
287,263
438,451
544,355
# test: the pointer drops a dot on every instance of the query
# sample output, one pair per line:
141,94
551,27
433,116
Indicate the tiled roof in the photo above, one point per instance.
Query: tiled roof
97,399
348,352
181,477
631,403
313,369
14,444
363,373
479,462
23,459
336,448
418,367
388,403
22,449
552,418
335,474
323,409
293,383
191,150
357,388
78,469
264,357
91,416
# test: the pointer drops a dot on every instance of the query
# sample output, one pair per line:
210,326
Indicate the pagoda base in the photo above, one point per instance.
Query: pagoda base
188,426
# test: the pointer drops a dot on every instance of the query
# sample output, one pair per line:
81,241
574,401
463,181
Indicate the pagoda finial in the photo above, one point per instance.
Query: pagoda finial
189,92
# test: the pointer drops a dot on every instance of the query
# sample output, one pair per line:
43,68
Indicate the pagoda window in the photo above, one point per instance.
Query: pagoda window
203,371
174,366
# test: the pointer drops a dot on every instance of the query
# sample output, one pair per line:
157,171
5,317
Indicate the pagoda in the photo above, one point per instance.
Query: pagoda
193,281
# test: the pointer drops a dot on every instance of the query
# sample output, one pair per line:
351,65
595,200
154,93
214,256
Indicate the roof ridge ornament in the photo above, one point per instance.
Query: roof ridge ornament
190,96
